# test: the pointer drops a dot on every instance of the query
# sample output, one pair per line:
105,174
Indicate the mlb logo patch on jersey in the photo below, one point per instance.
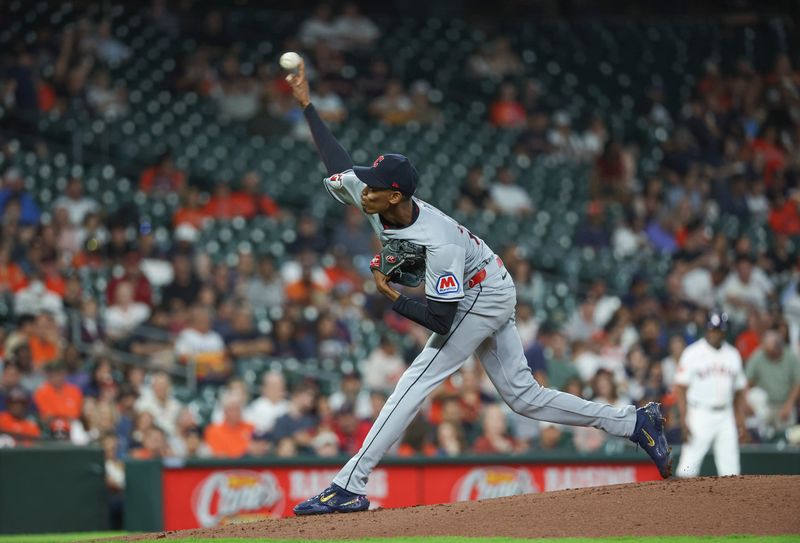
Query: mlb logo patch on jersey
447,284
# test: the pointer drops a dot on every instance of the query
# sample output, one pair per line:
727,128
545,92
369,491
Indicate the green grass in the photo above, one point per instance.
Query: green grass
63,538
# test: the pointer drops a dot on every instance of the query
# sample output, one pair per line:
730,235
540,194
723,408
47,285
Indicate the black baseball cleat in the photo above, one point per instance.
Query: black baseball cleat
333,499
649,434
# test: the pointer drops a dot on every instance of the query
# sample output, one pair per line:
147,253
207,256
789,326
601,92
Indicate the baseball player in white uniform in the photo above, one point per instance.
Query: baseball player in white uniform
470,301
709,386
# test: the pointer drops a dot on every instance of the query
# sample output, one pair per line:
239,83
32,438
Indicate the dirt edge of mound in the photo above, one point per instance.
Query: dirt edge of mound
759,505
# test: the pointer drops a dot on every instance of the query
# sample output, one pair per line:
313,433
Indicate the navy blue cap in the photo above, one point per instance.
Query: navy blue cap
389,171
717,320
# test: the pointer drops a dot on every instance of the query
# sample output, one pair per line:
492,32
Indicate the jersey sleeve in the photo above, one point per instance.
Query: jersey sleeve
740,381
345,188
683,375
444,273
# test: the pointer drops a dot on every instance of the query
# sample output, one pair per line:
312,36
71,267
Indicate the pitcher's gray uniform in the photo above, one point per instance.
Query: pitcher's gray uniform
461,267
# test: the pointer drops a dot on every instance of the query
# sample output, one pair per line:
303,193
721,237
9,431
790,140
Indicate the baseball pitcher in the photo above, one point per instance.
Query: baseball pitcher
469,306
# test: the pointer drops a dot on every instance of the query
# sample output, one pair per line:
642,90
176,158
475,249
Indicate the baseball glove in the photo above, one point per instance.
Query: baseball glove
402,261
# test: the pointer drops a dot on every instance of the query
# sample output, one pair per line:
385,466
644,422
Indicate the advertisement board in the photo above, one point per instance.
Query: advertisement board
196,497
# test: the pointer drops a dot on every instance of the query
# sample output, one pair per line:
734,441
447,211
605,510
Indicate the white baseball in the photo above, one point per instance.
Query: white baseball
290,60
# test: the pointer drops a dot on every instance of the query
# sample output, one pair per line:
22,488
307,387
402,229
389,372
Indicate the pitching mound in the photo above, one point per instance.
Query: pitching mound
761,505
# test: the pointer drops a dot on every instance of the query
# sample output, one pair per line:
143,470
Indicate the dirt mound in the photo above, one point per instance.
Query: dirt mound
706,506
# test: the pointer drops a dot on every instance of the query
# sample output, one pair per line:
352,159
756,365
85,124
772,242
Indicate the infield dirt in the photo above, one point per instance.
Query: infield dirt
760,505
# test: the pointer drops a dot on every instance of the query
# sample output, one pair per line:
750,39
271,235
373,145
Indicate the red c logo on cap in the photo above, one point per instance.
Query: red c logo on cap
377,161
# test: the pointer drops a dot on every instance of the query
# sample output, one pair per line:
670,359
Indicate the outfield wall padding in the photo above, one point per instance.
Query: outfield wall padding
52,489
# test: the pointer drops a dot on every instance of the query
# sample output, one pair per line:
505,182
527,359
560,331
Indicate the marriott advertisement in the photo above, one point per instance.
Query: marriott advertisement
212,496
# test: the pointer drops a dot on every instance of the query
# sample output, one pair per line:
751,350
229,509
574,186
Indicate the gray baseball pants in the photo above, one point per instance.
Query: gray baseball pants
483,325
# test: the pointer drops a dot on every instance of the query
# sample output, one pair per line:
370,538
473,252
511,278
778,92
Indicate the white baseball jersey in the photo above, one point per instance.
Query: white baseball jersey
452,253
711,375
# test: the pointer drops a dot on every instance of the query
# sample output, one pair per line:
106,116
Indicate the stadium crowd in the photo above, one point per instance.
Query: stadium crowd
732,150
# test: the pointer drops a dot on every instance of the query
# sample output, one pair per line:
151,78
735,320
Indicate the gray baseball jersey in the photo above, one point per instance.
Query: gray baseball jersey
452,253
484,325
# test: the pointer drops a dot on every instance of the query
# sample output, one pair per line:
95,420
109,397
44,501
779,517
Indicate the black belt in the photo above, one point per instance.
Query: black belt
710,407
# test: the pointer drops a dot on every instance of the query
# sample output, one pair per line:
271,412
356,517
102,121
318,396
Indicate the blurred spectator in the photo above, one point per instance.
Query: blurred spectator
564,143
238,96
560,369
593,232
527,324
508,197
12,278
354,234
107,48
353,394
450,440
162,177
393,107
350,429
784,217
319,27
749,340
506,111
13,195
495,60
106,101
114,475
422,110
159,401
230,438
14,419
594,138
298,423
154,445
581,325
746,288
325,444
265,289
244,341
58,402
270,405
495,438
77,205
552,437
10,378
254,199
538,353
384,366
100,384
126,313
613,171
475,197
45,342
192,211
202,347
184,287
136,280
353,30
328,104
776,370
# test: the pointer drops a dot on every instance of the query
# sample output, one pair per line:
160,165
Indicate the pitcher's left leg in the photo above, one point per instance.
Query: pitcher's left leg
503,358
726,447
